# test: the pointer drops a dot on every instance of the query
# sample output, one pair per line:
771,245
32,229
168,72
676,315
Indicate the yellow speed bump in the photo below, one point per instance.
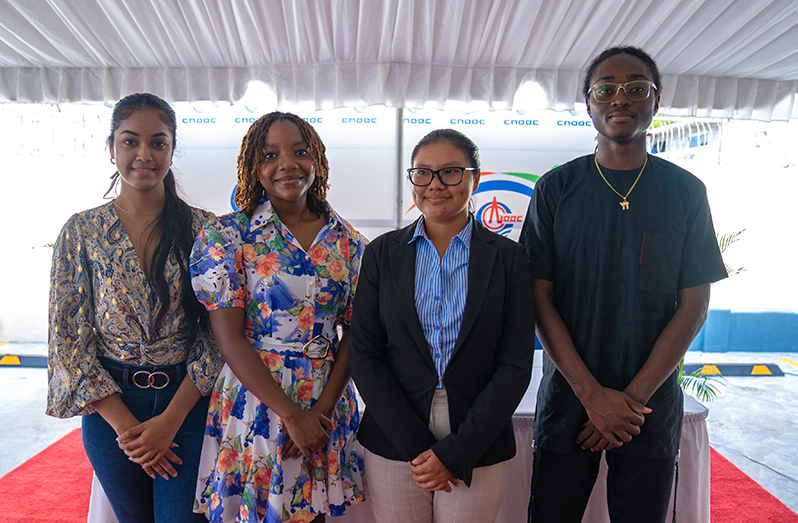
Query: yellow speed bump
733,369
9,360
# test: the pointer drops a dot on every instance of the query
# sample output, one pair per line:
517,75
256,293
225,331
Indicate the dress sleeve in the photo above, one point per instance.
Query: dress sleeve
75,377
217,273
204,360
356,246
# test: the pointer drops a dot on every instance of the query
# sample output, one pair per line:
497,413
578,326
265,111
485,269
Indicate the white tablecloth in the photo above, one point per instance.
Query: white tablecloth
692,498
692,495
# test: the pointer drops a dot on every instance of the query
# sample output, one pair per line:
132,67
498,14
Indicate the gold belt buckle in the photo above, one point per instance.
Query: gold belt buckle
317,348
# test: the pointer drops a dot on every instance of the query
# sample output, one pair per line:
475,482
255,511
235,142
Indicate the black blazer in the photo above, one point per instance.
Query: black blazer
489,370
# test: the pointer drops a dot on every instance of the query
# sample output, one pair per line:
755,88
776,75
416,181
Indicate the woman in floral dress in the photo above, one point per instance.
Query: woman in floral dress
278,277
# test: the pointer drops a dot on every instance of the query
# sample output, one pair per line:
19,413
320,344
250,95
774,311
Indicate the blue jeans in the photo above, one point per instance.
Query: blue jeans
134,496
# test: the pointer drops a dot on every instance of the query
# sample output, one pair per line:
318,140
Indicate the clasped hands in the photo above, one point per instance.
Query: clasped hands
614,417
307,432
150,445
429,473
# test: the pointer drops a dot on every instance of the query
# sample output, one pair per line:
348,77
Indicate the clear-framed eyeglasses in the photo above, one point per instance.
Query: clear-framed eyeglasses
421,177
636,90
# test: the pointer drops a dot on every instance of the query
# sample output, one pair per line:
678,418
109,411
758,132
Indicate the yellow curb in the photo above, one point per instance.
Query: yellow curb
789,361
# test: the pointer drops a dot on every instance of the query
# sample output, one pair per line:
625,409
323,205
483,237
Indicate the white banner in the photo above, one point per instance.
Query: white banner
516,148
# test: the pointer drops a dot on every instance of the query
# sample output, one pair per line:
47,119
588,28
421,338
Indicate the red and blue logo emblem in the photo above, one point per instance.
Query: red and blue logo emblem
506,197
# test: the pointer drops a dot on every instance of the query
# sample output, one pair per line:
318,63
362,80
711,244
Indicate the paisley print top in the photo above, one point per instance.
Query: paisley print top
101,304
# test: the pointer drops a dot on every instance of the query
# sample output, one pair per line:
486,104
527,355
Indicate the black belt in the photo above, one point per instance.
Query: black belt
143,377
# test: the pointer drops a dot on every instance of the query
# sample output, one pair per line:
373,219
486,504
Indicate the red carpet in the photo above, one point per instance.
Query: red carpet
55,486
736,498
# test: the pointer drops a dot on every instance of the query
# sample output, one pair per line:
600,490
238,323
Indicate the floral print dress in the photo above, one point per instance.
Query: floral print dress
289,297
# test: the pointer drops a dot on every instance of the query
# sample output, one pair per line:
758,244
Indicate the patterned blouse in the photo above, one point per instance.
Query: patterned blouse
257,265
101,305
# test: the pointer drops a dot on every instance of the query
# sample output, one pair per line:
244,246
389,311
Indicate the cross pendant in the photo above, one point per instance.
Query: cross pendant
624,205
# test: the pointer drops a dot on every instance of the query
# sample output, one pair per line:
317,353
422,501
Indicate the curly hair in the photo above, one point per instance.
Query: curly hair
621,49
250,157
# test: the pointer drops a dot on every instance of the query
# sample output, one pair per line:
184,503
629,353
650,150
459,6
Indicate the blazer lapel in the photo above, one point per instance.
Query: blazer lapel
402,259
480,268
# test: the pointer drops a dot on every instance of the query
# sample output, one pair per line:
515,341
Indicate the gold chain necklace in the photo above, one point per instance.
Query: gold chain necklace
136,213
624,204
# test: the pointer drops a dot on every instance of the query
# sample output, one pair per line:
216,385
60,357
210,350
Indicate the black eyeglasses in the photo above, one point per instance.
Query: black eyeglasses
421,177
636,90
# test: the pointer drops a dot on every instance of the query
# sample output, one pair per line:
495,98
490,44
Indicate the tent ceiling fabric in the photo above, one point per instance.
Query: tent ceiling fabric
719,58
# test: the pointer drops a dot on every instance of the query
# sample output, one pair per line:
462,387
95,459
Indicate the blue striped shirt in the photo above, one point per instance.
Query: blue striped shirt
440,292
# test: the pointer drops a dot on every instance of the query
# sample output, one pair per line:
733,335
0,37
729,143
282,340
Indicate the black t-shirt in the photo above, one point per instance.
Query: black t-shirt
616,275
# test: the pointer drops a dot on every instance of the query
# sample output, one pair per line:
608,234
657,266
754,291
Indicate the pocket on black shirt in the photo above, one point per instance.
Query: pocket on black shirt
660,260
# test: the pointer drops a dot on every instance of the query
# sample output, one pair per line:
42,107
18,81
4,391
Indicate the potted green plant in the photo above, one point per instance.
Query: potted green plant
705,387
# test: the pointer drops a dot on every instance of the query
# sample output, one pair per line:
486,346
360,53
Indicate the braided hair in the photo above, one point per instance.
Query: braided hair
174,223
250,157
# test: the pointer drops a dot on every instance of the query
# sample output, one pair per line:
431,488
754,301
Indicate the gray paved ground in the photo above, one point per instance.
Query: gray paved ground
753,422
24,428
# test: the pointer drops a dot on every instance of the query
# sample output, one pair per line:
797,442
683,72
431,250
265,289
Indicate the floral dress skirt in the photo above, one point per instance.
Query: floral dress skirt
242,476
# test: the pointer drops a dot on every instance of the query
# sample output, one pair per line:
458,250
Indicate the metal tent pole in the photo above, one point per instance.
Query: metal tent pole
399,145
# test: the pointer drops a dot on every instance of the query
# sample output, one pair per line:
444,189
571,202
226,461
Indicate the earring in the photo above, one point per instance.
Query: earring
113,160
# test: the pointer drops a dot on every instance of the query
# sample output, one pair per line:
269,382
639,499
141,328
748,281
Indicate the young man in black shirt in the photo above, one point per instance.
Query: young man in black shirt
622,251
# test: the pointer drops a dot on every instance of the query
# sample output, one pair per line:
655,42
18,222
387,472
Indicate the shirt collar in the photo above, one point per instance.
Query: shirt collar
464,236
264,213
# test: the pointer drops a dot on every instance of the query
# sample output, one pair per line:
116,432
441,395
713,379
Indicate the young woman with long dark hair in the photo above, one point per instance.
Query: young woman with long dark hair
130,348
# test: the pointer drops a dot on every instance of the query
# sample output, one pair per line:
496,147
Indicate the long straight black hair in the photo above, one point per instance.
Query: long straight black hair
174,223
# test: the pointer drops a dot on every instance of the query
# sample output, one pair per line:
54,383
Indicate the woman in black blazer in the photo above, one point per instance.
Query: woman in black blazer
441,348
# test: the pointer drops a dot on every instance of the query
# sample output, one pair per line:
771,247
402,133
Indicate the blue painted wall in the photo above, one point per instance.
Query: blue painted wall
727,331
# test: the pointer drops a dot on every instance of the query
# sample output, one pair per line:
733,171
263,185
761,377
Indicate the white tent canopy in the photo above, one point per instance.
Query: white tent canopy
719,58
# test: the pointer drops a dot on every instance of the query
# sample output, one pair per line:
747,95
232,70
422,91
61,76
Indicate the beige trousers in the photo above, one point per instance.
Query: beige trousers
395,497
